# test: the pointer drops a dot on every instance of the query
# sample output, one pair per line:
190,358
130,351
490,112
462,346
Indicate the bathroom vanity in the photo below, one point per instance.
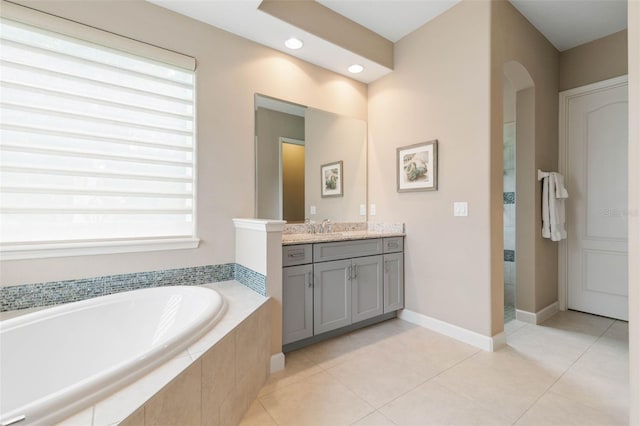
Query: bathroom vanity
333,283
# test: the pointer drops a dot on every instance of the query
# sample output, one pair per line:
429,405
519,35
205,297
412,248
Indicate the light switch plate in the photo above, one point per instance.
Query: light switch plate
363,209
372,209
312,209
460,208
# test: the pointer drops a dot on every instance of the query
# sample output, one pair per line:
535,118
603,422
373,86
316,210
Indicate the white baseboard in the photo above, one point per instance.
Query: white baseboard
277,363
544,314
538,317
526,316
462,334
498,342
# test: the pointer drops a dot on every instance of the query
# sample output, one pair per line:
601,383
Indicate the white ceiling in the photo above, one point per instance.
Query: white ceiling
392,19
566,23
570,23
243,18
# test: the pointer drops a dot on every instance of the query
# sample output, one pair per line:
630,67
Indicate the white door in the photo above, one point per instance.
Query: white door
595,157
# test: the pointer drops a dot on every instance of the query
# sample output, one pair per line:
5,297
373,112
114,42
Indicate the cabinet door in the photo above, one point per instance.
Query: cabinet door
297,303
366,288
331,295
393,282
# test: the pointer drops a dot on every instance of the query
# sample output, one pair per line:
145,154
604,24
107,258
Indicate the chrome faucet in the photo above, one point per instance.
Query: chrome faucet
309,226
326,226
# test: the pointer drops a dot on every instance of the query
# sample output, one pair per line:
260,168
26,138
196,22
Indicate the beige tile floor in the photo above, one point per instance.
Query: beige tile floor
571,370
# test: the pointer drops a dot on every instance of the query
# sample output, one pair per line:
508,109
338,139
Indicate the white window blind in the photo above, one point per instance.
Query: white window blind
96,144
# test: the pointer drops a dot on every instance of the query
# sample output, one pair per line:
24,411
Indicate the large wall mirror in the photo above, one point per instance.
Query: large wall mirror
309,163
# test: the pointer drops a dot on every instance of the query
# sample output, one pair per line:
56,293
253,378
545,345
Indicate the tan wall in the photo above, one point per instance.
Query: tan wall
270,126
527,229
230,71
595,61
439,90
515,39
293,182
634,210
509,101
331,138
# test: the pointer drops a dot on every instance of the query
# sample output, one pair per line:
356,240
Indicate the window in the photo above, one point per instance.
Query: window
96,144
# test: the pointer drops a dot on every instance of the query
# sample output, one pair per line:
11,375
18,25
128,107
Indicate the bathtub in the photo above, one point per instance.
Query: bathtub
57,361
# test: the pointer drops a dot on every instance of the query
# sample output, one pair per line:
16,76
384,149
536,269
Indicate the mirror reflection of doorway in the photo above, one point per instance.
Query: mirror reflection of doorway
292,180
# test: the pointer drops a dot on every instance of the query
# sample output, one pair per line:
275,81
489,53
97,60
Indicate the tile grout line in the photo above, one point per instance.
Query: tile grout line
360,397
374,411
564,372
526,325
322,370
266,411
292,383
431,378
404,393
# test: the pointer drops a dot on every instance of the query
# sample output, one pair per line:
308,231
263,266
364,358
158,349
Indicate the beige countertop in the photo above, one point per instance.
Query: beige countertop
290,239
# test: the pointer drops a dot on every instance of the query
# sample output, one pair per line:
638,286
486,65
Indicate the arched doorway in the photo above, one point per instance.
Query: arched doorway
518,190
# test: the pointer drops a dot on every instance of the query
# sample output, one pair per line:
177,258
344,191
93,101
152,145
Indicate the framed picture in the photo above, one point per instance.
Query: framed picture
331,179
418,167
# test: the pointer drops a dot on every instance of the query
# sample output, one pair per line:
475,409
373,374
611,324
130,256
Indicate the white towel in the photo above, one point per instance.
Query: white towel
561,191
553,195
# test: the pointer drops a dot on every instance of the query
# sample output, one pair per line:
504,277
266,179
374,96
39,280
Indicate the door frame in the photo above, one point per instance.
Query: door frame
563,158
282,140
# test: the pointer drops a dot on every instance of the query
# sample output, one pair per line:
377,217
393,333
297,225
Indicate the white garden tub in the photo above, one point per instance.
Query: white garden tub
57,361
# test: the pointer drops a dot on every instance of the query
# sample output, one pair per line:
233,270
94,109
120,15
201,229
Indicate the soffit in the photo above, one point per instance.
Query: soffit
566,23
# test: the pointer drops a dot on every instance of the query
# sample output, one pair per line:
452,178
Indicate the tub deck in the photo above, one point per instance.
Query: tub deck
241,303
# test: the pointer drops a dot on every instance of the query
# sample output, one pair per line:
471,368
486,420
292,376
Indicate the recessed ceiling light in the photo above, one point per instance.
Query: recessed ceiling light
356,68
294,43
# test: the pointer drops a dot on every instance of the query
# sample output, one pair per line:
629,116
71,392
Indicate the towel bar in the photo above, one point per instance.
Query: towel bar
542,175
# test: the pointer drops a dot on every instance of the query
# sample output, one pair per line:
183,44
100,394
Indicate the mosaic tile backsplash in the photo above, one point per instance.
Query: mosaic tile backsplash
509,197
250,278
509,255
56,292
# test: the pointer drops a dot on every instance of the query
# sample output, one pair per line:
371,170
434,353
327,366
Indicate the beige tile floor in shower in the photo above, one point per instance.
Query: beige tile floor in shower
571,370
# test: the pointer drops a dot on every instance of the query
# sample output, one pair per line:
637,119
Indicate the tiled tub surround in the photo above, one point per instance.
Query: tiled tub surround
55,292
60,360
296,234
210,383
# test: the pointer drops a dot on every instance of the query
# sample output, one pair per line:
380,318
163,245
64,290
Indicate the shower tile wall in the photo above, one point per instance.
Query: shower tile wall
509,216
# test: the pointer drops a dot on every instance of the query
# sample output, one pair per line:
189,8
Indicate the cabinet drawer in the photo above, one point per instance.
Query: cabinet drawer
346,249
296,254
393,244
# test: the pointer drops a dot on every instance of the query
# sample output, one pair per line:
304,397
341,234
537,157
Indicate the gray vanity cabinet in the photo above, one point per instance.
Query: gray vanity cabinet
348,283
297,294
331,295
393,282
346,291
339,285
297,303
366,288
393,274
